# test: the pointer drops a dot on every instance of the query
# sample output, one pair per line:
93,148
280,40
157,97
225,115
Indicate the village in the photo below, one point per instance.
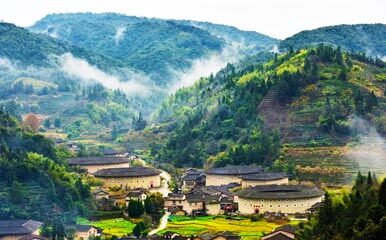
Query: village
230,190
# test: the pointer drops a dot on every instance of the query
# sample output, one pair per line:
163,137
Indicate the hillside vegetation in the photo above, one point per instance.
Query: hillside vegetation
367,38
34,180
159,48
219,120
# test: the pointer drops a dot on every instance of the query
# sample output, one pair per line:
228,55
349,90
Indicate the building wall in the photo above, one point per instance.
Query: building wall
252,183
217,180
145,182
300,205
16,237
174,203
86,235
189,207
93,168
12,237
213,208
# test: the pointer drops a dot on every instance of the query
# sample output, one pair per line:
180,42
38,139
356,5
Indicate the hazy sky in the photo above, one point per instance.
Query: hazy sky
277,18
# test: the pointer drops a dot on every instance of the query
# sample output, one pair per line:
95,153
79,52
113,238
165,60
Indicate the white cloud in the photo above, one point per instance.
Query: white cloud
119,34
207,65
89,74
369,153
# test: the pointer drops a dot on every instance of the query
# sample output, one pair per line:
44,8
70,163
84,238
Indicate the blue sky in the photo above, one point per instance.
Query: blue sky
277,18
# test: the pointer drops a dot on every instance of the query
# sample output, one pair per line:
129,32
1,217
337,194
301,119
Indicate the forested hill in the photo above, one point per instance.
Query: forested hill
367,38
249,42
160,48
34,181
312,94
28,48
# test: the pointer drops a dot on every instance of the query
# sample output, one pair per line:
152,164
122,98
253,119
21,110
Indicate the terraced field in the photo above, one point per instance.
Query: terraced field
247,229
116,227
339,164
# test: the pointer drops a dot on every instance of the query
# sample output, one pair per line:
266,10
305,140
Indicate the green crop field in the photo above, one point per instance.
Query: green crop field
247,229
118,226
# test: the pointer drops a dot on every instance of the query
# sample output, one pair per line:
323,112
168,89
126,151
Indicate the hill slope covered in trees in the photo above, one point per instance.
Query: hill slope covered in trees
34,181
218,120
160,48
367,38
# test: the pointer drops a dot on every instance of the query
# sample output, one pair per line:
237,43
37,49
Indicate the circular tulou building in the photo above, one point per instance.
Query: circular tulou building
278,198
264,178
129,178
93,164
229,174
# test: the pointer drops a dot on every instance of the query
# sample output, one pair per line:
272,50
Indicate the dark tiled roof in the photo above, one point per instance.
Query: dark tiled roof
277,236
10,227
235,170
97,160
98,191
110,151
175,195
279,192
127,172
193,171
287,228
135,193
264,176
82,228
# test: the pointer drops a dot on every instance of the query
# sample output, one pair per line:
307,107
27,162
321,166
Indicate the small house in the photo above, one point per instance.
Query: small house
16,229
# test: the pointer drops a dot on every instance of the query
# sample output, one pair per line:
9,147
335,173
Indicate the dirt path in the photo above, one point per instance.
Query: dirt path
162,225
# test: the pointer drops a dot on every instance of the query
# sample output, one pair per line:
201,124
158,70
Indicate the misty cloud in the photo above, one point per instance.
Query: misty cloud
119,34
369,152
89,74
206,66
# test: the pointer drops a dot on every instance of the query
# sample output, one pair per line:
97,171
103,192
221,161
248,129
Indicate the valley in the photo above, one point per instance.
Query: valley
123,127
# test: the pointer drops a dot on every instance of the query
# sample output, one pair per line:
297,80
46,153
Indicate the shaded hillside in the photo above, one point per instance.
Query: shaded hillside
367,38
160,48
249,42
28,48
34,181
306,97
88,92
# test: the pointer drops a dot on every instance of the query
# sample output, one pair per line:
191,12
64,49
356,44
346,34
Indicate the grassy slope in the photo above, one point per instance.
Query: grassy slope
117,227
244,227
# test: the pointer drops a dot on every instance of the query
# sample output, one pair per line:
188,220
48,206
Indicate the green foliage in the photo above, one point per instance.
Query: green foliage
153,46
139,123
33,178
353,38
154,204
358,215
135,208
140,229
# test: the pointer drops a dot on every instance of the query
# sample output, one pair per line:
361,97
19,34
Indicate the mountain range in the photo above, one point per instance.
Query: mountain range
137,62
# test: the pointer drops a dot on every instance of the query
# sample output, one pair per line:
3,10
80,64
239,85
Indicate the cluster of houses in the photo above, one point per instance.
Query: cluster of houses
30,230
246,190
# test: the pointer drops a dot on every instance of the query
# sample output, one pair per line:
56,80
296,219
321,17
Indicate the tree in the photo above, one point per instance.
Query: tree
154,203
17,192
382,194
139,123
58,229
57,122
139,229
32,122
114,132
371,101
47,123
135,208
